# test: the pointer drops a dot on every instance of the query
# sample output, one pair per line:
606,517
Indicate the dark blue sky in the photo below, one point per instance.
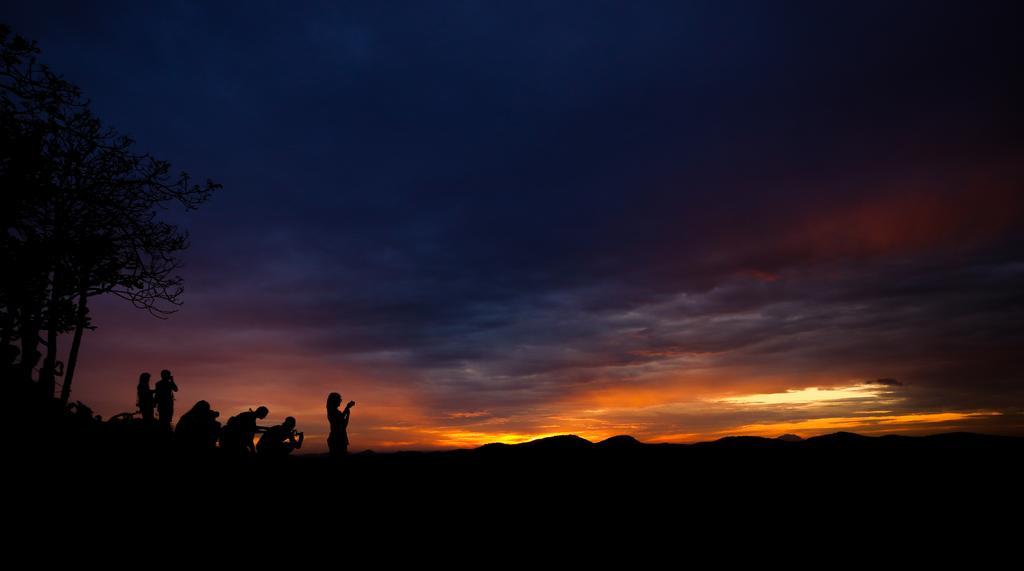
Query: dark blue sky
514,218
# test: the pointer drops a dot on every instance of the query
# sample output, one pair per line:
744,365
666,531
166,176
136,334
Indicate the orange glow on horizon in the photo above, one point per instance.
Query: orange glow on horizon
810,427
868,424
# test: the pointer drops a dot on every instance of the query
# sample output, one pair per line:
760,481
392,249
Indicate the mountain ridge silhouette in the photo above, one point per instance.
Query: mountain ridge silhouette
840,439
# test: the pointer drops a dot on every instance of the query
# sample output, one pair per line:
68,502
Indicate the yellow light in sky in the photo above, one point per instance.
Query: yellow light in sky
810,395
891,423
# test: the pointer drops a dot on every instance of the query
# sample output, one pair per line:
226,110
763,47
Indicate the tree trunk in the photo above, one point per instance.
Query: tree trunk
29,342
48,375
76,342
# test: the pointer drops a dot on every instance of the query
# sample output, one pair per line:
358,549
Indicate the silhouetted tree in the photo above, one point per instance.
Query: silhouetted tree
80,212
30,99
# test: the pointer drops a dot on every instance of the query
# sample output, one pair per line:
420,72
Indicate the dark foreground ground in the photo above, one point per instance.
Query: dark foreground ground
134,484
116,488
563,469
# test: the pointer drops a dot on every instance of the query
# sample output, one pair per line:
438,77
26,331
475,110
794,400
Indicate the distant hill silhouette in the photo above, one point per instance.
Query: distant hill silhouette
837,441
622,441
557,443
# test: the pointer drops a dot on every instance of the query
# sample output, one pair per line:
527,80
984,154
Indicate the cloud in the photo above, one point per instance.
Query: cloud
499,221
885,382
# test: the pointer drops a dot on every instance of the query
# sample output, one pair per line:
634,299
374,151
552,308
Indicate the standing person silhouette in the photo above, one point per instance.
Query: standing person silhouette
163,393
144,398
337,442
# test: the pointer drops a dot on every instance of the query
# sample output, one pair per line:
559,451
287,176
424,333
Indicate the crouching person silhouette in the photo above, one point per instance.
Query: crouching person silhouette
197,430
337,442
278,441
236,439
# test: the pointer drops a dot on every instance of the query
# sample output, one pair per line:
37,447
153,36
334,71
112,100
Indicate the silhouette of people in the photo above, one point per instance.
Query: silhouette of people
337,442
144,398
198,429
278,441
240,430
163,394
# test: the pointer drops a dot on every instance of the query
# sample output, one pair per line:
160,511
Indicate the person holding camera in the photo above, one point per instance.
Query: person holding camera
198,429
163,394
337,442
278,441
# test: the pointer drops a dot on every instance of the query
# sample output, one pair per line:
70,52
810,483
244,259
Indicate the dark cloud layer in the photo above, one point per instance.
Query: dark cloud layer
513,205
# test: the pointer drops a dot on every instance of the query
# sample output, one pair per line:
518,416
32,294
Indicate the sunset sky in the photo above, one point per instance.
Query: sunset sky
494,221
